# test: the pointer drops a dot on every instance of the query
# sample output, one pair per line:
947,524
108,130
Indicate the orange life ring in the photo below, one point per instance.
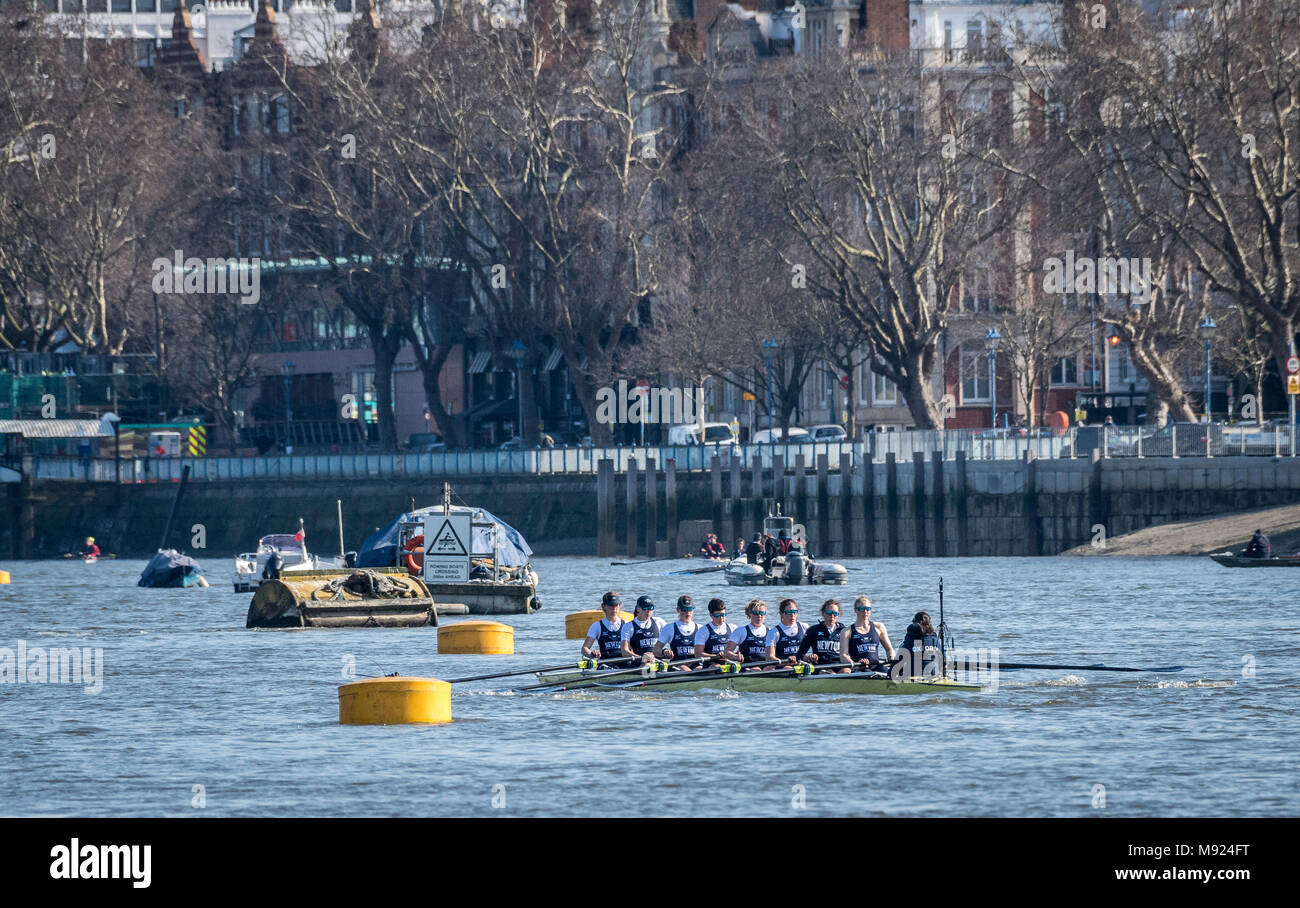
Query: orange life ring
414,549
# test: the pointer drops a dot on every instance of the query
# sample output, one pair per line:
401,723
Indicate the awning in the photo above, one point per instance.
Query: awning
54,428
553,360
480,363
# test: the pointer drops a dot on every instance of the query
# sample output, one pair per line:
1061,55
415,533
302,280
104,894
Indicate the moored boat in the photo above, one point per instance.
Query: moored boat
1229,559
757,682
292,549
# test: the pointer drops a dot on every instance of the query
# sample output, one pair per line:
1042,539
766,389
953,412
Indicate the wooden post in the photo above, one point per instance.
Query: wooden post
651,509
605,544
715,492
738,528
823,503
800,488
670,504
963,504
1096,500
940,503
631,507
891,502
869,508
846,505
756,489
778,483
918,500
1033,527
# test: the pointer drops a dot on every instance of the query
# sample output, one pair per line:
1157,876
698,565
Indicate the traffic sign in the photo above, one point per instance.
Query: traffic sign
1293,384
1293,364
447,548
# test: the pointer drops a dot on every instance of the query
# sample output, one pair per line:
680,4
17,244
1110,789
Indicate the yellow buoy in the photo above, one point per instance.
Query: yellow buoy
394,701
487,638
4,576
576,624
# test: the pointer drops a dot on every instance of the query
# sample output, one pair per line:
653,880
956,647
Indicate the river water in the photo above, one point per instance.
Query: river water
199,716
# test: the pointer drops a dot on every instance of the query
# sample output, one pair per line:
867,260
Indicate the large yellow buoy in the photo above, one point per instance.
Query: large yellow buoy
576,624
394,701
4,576
487,638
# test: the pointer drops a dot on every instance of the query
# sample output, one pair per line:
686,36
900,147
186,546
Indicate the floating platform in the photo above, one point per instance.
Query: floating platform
373,597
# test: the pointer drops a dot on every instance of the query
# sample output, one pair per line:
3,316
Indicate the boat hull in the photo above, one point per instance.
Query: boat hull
764,682
1230,560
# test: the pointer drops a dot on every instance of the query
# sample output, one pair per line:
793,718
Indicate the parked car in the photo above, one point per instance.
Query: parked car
828,432
716,434
426,443
796,435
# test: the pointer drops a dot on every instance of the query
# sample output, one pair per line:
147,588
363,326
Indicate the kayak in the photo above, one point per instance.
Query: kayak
1228,559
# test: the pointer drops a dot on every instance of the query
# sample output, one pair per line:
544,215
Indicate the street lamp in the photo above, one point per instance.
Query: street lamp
1207,329
518,351
991,345
769,348
287,369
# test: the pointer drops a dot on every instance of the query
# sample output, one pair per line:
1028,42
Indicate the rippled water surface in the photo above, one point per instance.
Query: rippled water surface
192,698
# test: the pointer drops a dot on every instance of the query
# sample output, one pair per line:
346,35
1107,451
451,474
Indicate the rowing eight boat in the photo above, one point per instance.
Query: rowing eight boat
758,682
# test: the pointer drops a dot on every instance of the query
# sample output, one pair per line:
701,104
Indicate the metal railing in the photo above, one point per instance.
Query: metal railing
1183,440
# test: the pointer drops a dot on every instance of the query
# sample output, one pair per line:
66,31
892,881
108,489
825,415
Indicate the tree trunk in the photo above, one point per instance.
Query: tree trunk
385,345
451,427
526,377
585,390
1164,384
916,391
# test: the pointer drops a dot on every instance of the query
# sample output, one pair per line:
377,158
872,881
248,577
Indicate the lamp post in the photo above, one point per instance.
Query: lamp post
1207,329
991,345
518,351
769,348
287,369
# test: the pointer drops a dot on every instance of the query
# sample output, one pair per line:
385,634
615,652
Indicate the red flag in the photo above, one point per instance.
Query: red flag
299,536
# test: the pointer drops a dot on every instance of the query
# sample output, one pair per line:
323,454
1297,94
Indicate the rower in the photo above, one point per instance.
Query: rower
89,550
677,640
821,645
642,633
748,643
783,640
861,645
920,643
605,638
711,548
711,639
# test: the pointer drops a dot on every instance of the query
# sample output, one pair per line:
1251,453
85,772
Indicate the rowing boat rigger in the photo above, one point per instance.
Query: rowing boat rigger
753,682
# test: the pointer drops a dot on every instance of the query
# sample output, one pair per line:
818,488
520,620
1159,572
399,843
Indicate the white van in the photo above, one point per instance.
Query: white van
715,433
796,435
168,442
828,432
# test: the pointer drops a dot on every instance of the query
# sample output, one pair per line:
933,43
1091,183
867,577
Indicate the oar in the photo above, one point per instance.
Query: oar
700,570
647,561
1099,667
531,671
596,673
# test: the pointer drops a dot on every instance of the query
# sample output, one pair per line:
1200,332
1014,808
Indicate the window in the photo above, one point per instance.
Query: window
974,374
121,6
281,114
884,393
974,39
1065,372
144,52
977,291
947,42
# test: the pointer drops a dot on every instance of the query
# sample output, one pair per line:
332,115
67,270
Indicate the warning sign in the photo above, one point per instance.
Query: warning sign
446,548
1293,384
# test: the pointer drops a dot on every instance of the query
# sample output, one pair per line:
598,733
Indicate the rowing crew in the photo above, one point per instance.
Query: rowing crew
837,647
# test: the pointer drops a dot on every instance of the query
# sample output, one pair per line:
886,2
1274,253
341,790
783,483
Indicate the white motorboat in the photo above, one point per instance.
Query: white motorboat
792,568
292,550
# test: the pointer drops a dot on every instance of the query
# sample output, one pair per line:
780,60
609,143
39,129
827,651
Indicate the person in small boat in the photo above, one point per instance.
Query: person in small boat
754,552
919,643
274,565
864,640
1258,547
605,637
711,639
711,548
821,645
641,634
677,640
784,542
748,643
89,549
784,638
740,548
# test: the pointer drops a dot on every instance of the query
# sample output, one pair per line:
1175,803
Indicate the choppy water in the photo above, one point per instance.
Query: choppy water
192,698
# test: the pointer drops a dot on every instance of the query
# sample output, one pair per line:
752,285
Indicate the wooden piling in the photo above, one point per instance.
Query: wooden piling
940,503
918,501
651,509
846,505
869,507
715,493
823,503
738,528
756,490
1033,526
891,503
800,488
963,522
631,507
670,504
606,546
